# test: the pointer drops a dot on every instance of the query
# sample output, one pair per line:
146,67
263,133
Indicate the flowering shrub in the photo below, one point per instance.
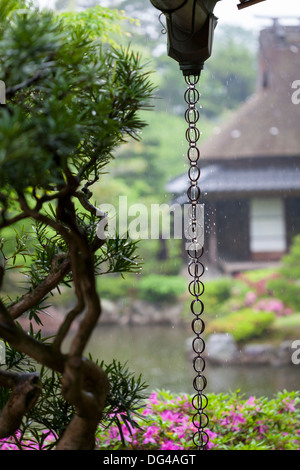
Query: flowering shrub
21,442
258,280
270,304
256,423
251,308
273,305
164,423
235,423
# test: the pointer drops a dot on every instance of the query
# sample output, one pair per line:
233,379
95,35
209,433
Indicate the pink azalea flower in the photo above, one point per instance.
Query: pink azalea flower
250,401
168,415
262,428
250,299
212,435
288,406
170,445
150,434
180,432
153,398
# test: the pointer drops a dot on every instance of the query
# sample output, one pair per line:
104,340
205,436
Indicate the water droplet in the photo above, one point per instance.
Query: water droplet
274,130
235,134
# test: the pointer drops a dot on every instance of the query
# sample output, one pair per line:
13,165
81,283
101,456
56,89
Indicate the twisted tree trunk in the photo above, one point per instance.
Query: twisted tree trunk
84,384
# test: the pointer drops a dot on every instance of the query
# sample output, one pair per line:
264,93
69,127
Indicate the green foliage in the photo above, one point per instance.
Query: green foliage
216,293
164,149
230,73
119,256
65,109
258,275
111,287
290,263
289,326
7,6
154,263
153,288
286,286
101,23
254,303
72,119
244,324
125,398
167,267
156,288
287,291
222,295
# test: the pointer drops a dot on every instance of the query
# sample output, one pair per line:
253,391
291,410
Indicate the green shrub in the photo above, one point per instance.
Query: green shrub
153,288
161,288
150,252
113,287
290,263
243,324
287,291
257,275
287,327
220,289
287,286
168,267
222,296
216,293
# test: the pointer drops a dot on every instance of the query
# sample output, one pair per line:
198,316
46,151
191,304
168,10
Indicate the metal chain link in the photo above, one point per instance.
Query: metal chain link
195,266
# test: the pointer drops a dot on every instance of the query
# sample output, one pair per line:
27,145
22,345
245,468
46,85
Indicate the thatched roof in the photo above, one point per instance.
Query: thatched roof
268,124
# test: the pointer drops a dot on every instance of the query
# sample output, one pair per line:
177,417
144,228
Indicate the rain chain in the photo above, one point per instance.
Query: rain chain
195,267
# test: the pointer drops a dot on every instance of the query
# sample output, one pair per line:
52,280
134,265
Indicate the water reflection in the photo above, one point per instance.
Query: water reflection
159,354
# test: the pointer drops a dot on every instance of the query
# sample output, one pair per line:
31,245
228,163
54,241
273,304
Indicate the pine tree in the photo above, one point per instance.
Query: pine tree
71,100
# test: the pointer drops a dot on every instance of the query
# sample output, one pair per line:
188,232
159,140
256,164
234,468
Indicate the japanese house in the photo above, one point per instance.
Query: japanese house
250,167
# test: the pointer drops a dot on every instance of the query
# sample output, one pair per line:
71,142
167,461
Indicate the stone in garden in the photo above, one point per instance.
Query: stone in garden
221,348
258,354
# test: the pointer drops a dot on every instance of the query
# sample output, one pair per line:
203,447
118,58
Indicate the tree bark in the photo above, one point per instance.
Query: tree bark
89,400
26,389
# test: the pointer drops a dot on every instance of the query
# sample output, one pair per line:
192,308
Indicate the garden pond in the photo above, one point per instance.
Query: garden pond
159,353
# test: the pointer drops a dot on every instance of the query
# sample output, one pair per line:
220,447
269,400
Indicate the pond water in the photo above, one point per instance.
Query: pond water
159,354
